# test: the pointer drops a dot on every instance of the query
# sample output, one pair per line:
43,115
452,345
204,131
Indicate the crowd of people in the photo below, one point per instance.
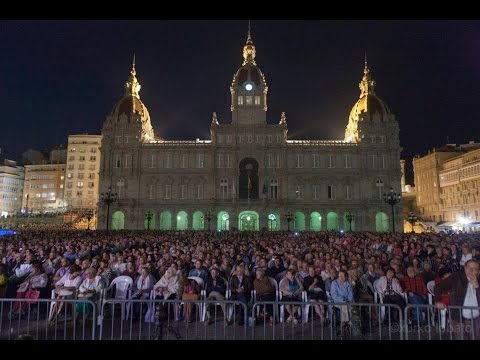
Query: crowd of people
340,267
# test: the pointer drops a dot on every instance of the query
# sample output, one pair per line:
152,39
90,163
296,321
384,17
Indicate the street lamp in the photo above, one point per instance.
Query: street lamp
89,216
392,199
108,198
412,219
148,216
288,217
350,217
208,216
271,219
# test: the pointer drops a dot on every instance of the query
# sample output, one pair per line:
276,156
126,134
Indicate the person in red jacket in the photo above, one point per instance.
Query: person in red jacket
416,290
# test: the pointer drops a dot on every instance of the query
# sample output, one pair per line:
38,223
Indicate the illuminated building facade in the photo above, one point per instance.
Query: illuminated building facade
83,165
249,175
11,187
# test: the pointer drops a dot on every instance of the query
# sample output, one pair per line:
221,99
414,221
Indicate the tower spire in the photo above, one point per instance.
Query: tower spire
249,49
367,85
132,86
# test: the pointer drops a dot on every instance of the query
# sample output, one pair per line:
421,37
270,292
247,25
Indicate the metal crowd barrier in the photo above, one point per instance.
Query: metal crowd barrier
234,320
340,321
426,322
31,317
166,320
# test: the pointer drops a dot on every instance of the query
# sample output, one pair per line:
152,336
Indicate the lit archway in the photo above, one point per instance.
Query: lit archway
198,222
223,221
332,221
299,221
315,221
274,222
118,220
381,222
166,220
248,221
182,220
151,214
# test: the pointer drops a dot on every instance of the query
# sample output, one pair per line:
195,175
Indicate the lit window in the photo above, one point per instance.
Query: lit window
240,100
331,161
348,163
200,161
298,192
248,100
168,191
257,100
348,192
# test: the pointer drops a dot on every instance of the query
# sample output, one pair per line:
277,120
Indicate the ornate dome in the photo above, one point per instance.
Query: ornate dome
131,105
369,102
249,70
369,107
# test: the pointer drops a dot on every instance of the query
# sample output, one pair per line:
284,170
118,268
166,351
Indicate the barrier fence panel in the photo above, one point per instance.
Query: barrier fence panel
426,322
77,319
286,320
48,319
173,320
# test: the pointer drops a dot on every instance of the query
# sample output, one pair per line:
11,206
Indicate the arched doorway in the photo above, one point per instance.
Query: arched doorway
149,214
118,220
166,220
198,222
182,220
223,221
273,222
381,222
248,180
315,221
248,221
299,221
332,221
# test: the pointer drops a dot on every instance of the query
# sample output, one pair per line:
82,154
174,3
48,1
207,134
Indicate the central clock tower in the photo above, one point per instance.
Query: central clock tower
249,90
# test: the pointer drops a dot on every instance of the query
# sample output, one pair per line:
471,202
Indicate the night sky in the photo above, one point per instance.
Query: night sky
64,77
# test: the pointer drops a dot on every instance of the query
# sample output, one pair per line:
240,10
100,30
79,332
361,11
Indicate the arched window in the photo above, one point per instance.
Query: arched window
224,188
273,189
121,188
379,186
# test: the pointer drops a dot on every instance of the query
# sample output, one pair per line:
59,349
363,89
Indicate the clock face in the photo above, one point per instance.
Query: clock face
248,87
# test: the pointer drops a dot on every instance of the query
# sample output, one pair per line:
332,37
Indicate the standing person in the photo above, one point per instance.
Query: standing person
464,291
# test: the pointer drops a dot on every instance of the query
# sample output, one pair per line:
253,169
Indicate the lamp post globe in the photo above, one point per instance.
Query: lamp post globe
350,217
392,199
208,216
288,217
89,216
108,198
148,217
412,219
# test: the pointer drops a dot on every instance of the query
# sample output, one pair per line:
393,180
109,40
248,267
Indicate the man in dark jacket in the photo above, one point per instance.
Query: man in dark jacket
464,292
240,286
215,288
